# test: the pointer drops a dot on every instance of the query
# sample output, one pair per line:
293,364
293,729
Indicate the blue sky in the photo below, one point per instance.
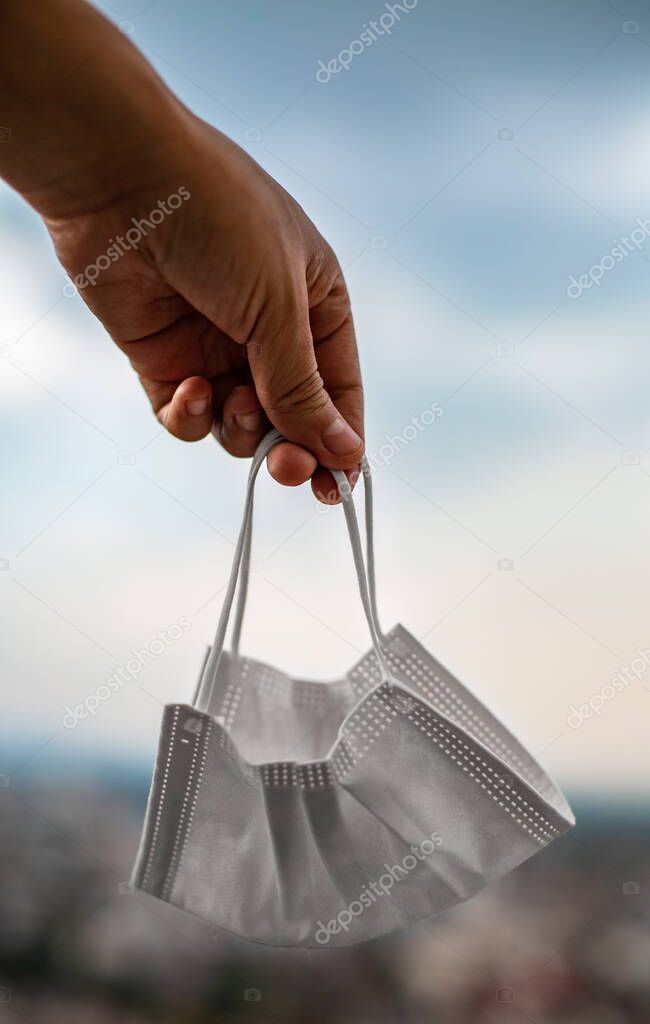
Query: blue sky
462,168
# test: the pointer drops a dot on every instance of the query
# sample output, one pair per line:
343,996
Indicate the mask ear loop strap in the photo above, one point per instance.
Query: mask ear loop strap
365,589
211,666
370,543
244,578
242,557
242,595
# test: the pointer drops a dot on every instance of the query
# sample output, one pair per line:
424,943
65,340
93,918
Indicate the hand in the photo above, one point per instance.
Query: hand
231,308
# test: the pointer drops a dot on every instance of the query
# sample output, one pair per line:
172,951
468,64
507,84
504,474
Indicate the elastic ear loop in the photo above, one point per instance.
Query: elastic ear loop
242,555
244,577
211,665
367,596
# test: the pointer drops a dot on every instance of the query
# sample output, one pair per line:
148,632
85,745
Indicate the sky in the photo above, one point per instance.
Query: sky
466,167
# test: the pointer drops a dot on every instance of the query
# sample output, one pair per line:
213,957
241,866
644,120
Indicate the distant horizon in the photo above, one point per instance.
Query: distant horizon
134,776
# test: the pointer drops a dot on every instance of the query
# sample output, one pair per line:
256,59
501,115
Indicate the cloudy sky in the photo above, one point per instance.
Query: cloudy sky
463,167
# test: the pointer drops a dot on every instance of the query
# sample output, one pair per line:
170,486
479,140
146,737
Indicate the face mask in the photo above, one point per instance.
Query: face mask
299,813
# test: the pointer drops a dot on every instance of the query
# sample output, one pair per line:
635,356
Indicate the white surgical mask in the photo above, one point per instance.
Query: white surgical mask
300,813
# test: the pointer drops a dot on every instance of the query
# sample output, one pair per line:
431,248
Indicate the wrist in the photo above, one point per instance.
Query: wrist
74,150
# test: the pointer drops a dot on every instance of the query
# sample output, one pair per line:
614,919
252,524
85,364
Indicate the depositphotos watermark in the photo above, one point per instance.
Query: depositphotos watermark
623,247
128,673
375,890
129,242
621,679
371,32
393,443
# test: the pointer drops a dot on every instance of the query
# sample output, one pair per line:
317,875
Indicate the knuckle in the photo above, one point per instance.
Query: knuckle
323,274
322,262
306,396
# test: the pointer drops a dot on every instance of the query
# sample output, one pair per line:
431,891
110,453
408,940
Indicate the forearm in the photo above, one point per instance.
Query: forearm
84,111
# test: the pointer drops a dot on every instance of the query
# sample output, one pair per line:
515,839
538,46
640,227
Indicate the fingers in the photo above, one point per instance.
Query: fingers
314,399
188,413
290,464
242,427
243,424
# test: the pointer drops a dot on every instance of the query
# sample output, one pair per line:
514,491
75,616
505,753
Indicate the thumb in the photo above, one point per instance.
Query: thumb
294,394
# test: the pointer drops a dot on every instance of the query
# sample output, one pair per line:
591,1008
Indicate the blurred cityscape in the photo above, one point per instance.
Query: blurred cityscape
565,938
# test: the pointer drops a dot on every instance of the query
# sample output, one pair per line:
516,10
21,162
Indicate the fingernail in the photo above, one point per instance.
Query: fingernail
250,421
197,406
340,439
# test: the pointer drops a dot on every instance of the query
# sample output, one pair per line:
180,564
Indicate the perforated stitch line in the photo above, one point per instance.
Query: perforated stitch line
368,723
315,701
405,657
475,727
161,800
232,698
542,839
553,832
315,774
169,877
365,675
369,673
279,773
457,739
311,694
342,761
470,768
413,662
195,796
427,680
543,825
311,775
474,757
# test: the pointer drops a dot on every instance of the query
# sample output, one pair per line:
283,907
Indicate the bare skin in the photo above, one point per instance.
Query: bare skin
231,307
